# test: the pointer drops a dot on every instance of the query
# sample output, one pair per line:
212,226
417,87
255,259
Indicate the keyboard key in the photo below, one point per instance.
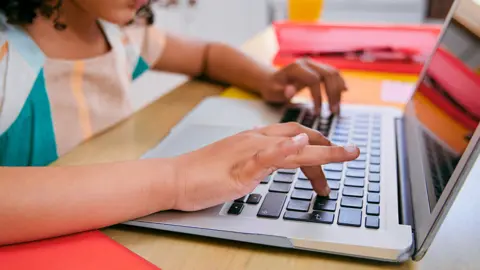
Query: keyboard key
334,185
361,138
376,139
375,153
376,133
283,178
333,195
322,203
280,187
302,194
351,202
303,184
291,115
301,175
272,205
354,182
338,138
339,143
361,132
297,205
374,177
316,216
297,216
355,173
353,192
241,200
322,217
266,179
360,144
350,217
375,160
254,198
374,187
372,222
373,209
375,146
342,127
341,132
359,165
373,198
236,208
308,120
290,171
336,176
334,167
363,150
361,157
374,168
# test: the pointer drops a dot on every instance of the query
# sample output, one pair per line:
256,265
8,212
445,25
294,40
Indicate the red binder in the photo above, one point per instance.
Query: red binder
91,250
383,48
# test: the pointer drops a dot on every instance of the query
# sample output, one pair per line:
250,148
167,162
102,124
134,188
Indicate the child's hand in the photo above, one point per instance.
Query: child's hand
233,167
285,83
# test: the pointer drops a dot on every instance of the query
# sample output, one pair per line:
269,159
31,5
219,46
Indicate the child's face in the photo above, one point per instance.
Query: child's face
114,11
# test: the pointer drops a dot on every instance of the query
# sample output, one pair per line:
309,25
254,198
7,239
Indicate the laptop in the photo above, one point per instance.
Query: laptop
389,203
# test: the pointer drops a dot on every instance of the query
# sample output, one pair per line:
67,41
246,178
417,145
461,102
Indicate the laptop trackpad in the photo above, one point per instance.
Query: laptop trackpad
190,138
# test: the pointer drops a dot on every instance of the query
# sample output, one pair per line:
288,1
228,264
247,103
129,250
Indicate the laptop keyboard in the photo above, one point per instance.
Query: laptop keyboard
441,163
355,197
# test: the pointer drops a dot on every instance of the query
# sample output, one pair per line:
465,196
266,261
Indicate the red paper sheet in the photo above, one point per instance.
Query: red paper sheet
90,250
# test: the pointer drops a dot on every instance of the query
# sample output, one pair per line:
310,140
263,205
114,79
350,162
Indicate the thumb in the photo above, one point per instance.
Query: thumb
267,159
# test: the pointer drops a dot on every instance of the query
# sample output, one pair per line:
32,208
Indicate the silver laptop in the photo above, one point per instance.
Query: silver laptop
386,205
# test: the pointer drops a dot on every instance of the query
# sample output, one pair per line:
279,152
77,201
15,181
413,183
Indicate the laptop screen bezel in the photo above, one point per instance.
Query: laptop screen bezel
428,222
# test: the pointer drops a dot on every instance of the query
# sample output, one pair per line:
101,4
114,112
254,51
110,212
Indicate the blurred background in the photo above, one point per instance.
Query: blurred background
236,21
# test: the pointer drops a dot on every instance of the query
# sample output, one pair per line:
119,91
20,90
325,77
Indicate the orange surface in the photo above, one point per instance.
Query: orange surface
362,90
3,50
91,250
440,123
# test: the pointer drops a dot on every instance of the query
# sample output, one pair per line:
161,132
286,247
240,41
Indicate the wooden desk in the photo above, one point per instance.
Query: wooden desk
145,129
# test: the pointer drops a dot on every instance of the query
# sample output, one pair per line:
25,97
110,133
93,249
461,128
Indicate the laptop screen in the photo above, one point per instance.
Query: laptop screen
446,103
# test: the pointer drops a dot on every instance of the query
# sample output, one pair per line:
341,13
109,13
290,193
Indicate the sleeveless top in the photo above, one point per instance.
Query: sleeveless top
49,106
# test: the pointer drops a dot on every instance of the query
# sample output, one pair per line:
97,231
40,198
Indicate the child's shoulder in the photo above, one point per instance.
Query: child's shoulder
147,41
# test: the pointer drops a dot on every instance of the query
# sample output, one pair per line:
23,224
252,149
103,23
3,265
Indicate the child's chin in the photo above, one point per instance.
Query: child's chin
121,18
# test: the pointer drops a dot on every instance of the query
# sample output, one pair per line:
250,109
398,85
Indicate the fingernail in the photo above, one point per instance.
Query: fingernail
290,91
300,139
351,148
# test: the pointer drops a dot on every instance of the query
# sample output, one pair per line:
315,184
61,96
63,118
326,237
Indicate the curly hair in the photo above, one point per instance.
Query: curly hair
21,12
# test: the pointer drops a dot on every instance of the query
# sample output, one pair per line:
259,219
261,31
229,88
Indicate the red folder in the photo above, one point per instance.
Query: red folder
454,87
90,250
383,48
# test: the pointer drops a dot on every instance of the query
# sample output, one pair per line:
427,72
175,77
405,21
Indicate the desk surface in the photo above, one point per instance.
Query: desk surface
456,248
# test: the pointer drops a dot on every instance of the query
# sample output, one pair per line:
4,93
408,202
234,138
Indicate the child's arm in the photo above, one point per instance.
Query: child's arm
44,202
228,65
218,61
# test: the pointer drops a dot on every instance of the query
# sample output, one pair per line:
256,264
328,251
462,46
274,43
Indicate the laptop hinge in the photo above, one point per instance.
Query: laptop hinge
405,210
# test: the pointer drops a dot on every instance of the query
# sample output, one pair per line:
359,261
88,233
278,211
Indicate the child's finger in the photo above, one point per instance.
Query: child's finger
314,155
292,129
274,154
317,178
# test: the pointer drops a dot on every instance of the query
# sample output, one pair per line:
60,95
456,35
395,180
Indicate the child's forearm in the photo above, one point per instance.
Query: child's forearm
217,61
38,203
229,65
